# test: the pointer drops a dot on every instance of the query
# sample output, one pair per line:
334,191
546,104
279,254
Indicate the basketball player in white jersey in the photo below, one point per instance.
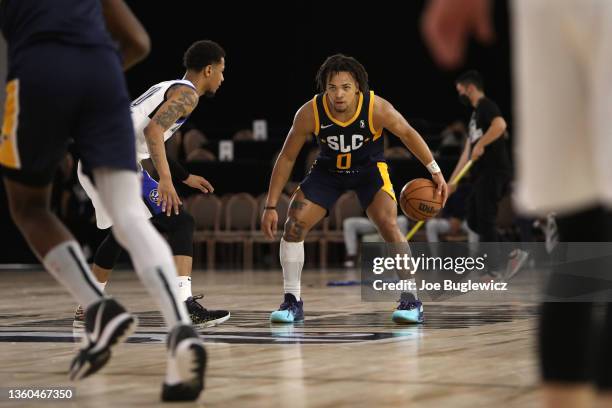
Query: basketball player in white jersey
563,65
157,114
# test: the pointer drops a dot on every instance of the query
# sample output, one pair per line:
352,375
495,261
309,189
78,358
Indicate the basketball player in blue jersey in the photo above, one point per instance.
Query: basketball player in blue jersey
157,114
80,93
348,120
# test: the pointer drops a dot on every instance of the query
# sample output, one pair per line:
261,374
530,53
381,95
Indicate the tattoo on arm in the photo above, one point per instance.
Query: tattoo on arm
154,152
177,108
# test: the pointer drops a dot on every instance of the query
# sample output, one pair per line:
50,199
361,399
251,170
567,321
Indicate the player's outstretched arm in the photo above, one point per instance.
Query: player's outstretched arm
303,126
125,28
180,102
386,116
199,183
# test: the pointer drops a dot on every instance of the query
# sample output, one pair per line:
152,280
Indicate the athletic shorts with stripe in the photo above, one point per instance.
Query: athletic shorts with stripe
58,93
323,185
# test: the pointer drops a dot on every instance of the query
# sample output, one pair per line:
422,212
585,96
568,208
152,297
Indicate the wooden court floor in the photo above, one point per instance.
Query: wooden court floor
348,353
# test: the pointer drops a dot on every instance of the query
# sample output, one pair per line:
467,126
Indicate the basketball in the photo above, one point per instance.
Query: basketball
419,201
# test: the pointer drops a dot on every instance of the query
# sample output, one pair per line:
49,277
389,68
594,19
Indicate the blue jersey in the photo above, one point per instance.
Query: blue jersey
348,146
55,48
75,22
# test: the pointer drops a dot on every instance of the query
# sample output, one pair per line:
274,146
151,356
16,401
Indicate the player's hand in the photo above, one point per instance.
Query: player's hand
447,25
168,199
442,189
199,183
477,152
452,188
269,222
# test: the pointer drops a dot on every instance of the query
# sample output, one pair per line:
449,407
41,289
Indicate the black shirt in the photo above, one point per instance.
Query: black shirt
455,205
495,159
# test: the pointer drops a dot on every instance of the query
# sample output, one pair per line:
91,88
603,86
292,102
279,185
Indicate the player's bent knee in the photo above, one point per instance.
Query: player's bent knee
27,212
186,222
388,225
108,252
180,238
295,230
24,206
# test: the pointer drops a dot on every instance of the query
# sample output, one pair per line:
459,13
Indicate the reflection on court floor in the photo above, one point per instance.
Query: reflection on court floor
253,327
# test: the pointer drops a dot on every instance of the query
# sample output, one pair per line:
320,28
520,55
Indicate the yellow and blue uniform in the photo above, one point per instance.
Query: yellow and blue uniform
65,82
351,156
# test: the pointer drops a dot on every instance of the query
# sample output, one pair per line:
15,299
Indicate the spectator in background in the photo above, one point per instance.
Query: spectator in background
452,138
451,220
486,147
355,227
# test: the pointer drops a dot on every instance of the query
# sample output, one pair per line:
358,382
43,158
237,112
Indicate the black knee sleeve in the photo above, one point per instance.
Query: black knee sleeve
108,252
569,339
603,374
565,347
179,229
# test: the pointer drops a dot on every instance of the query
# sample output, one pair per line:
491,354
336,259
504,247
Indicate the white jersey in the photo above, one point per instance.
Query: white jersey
145,106
563,58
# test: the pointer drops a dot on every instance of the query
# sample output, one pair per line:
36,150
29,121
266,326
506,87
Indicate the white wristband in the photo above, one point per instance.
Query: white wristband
433,167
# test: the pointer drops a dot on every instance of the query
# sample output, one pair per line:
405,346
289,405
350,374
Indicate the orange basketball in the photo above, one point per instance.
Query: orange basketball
419,201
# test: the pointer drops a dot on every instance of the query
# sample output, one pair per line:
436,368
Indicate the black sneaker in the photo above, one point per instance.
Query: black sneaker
107,323
186,365
202,317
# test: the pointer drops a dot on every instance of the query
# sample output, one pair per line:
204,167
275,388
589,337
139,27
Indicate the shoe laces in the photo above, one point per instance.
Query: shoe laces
193,301
408,303
290,305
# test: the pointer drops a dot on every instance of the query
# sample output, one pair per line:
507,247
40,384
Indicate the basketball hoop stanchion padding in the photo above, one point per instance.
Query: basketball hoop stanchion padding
456,180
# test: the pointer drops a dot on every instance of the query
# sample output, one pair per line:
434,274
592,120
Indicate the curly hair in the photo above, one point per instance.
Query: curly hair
201,54
342,63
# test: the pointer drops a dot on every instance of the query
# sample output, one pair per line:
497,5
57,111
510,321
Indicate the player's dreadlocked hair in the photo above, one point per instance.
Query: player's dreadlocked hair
202,53
342,63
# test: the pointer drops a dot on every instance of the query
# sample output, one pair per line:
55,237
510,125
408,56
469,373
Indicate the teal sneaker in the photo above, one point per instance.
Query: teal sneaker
289,311
410,310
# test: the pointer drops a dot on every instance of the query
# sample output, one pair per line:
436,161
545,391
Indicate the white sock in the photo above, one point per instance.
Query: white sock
184,287
119,192
68,265
414,292
292,261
